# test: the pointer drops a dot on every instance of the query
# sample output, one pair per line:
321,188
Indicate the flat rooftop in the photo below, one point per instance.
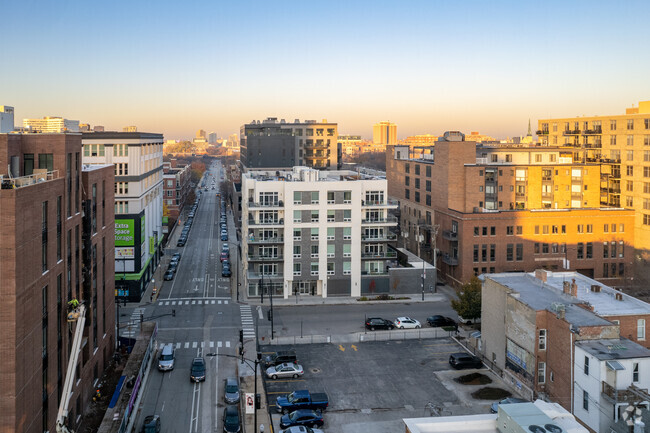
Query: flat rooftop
610,349
306,174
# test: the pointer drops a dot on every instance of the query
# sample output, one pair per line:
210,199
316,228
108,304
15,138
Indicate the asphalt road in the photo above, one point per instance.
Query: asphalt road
206,323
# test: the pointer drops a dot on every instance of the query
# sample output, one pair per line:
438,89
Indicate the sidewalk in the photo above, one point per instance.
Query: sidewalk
341,300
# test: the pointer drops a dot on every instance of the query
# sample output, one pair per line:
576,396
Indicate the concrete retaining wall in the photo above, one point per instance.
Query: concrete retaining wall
360,337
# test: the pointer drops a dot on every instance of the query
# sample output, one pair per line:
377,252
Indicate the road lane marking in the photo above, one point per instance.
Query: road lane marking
354,347
194,345
187,345
227,343
341,348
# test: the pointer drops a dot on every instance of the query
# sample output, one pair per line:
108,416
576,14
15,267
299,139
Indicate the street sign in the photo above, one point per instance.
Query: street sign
250,403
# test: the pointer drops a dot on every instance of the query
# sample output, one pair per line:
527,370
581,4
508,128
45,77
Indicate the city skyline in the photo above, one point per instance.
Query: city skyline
427,67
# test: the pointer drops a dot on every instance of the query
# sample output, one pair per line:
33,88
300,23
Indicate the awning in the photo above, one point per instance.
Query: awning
614,365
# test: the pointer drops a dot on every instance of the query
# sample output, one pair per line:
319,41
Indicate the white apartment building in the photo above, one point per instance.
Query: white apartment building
312,232
603,372
51,124
138,161
6,119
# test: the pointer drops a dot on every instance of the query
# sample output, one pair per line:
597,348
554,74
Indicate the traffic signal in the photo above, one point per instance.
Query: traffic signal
241,336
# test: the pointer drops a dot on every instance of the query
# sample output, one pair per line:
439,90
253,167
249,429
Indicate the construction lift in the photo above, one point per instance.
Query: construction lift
77,315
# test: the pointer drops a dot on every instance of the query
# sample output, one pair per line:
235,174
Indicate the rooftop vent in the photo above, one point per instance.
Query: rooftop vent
618,296
595,288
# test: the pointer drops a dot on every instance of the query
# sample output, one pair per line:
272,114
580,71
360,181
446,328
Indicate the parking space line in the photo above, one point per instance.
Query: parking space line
288,380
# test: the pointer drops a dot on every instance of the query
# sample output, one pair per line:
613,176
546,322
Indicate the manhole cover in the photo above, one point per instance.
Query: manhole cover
315,370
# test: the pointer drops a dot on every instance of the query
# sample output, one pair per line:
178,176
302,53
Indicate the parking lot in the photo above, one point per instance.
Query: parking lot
378,383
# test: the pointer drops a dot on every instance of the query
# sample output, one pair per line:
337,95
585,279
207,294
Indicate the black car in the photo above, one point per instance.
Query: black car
463,360
176,256
226,272
151,424
306,417
169,275
197,373
281,357
442,322
181,242
373,323
172,266
231,419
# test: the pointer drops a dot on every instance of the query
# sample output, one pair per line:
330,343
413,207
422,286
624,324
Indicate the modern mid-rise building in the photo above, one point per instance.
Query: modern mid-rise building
176,191
350,145
486,209
6,119
621,144
131,128
51,124
277,144
315,232
56,244
138,165
567,338
384,133
212,138
420,140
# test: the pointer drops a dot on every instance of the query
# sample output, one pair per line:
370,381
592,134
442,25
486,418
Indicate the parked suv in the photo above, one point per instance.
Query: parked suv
278,358
462,360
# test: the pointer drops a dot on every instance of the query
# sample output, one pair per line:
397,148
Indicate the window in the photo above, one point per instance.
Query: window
520,252
314,268
347,197
493,249
476,231
314,216
629,186
331,250
580,250
417,182
347,268
428,200
347,250
630,141
330,197
630,124
314,233
640,329
585,368
407,181
493,231
581,228
296,269
520,230
330,233
314,251
590,228
509,230
417,196
297,197
314,197
635,370
428,170
296,251
296,234
347,215
407,194
484,253
475,253
44,237
330,268
428,185
347,233
541,372
585,400
297,216
509,252
612,140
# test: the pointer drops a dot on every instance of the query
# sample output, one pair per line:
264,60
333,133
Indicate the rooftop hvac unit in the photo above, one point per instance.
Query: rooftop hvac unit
525,418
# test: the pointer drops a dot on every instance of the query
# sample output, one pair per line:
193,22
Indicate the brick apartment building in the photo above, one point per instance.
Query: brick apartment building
566,338
176,190
507,209
56,243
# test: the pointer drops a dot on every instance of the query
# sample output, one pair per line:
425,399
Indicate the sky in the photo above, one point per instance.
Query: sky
428,66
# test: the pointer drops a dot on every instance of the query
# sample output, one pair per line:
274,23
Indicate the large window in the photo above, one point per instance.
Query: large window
640,329
541,372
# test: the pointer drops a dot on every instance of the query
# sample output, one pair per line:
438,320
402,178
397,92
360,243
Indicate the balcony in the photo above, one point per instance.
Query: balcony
595,131
615,190
619,395
572,132
448,259
593,145
450,235
391,204
19,182
252,275
316,156
541,132
266,223
386,220
276,240
379,238
266,258
265,205
316,146
380,255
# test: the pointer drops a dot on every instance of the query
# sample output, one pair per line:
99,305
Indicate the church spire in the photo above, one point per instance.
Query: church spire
530,133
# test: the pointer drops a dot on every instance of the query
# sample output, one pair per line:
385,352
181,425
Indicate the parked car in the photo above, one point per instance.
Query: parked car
442,322
469,321
151,424
301,429
197,372
224,256
166,358
406,323
226,272
306,417
281,357
169,275
373,323
494,408
172,266
231,394
301,399
225,247
224,237
231,419
463,360
181,242
288,369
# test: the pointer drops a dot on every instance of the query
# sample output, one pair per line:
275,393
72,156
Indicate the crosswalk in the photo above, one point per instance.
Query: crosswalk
247,321
193,302
133,325
197,344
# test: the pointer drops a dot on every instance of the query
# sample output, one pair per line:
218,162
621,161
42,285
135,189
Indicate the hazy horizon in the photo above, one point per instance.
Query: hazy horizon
428,66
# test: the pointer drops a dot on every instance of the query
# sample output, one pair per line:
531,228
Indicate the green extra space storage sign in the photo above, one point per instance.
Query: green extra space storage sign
124,233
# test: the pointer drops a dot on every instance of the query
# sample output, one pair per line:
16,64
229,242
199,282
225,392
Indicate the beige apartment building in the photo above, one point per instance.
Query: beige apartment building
621,144
472,209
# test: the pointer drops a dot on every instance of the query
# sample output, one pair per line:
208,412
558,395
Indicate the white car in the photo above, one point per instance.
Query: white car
285,370
407,323
301,429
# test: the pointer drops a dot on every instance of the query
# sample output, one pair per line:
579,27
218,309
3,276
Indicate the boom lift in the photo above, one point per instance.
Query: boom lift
75,315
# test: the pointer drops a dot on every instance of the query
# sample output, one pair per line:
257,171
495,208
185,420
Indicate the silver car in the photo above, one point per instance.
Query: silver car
285,370
407,322
232,391
301,429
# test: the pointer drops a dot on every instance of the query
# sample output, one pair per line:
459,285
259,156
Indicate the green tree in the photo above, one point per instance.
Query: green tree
468,305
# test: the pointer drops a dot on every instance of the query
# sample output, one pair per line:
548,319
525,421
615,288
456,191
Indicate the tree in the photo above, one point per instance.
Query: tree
468,305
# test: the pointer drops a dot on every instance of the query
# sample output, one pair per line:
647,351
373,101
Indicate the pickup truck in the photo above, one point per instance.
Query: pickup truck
302,399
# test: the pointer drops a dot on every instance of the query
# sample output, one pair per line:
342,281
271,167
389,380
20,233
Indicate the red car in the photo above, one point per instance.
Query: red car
225,255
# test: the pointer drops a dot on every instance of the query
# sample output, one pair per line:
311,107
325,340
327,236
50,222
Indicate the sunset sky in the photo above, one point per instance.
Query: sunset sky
428,66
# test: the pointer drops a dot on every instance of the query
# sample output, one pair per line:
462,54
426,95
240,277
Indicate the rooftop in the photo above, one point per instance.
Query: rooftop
8,182
609,349
306,174
105,135
91,167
